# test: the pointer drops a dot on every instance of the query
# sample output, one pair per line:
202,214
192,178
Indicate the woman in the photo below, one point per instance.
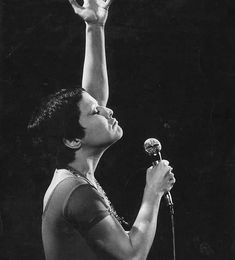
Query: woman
78,221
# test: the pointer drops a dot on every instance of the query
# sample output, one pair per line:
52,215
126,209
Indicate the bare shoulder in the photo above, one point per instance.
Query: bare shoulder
58,177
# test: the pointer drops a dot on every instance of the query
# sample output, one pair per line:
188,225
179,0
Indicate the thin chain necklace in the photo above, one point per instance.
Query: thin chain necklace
101,191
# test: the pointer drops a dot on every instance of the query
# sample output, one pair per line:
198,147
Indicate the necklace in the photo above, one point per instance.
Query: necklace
101,191
77,173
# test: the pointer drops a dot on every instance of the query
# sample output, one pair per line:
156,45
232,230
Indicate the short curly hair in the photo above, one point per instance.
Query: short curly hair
57,118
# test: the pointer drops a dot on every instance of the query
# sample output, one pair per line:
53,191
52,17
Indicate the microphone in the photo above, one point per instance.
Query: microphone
153,148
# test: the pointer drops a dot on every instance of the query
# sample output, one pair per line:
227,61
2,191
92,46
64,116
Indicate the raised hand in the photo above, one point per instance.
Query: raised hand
92,11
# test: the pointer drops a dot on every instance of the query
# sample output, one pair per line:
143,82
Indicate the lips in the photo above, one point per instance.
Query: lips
113,122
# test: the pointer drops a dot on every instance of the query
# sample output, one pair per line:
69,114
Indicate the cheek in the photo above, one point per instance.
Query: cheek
101,127
97,127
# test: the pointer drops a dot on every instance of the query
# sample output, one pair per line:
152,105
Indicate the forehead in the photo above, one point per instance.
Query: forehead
87,102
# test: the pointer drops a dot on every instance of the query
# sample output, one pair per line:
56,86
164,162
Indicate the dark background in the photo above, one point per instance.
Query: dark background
171,68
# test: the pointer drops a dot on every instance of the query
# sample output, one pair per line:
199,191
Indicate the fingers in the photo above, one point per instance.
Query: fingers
162,162
165,162
162,165
104,4
78,8
171,180
160,177
108,3
171,177
75,5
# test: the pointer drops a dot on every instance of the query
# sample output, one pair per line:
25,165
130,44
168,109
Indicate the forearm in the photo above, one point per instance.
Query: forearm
144,228
95,78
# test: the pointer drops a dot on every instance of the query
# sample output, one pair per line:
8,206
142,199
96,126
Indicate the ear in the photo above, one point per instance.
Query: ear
73,144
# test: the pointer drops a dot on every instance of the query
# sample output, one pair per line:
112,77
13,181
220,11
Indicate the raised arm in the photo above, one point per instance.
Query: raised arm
95,78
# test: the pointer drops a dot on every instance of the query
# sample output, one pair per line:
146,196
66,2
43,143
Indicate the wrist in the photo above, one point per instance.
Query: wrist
94,25
153,194
154,189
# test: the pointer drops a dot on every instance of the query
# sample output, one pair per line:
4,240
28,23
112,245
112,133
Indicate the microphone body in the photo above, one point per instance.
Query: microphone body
153,147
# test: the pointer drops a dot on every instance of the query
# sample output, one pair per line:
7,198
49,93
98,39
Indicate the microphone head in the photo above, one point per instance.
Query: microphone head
152,146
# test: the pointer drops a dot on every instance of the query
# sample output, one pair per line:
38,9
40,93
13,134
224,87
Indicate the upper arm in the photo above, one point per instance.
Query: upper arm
87,211
84,207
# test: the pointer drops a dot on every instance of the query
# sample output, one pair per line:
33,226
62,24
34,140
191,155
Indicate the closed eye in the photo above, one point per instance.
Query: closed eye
96,112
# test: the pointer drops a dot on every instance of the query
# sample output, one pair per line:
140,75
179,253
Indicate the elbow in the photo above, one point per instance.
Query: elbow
136,253
132,254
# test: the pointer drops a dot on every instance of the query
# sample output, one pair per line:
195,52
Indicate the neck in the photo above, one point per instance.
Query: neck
86,163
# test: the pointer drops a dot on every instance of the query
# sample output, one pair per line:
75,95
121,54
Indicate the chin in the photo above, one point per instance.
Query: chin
118,135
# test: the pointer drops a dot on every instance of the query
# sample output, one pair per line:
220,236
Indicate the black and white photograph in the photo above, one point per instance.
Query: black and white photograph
117,130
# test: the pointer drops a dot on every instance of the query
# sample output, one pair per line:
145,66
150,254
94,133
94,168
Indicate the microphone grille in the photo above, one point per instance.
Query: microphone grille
152,146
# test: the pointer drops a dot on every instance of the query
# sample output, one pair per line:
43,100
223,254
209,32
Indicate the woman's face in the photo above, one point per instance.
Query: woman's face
101,129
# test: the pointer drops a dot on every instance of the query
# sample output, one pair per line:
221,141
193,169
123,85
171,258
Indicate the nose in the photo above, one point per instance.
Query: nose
107,112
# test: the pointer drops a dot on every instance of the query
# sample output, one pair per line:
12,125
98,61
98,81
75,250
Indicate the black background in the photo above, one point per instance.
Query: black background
171,68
